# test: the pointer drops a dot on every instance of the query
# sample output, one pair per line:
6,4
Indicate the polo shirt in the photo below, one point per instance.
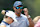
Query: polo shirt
4,23
22,21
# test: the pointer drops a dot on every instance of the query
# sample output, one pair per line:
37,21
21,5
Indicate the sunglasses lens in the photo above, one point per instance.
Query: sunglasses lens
17,7
21,7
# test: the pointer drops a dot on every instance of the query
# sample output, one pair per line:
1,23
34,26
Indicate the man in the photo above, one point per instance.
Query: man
22,20
31,23
8,19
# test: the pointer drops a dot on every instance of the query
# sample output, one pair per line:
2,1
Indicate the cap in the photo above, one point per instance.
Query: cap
11,14
17,3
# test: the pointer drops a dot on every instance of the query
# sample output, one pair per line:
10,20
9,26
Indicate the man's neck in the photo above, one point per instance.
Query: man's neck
5,21
17,14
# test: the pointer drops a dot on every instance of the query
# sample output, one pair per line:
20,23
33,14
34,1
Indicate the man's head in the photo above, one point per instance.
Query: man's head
18,7
35,20
25,11
8,19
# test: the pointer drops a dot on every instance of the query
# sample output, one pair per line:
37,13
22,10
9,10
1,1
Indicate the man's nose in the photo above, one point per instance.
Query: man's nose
19,9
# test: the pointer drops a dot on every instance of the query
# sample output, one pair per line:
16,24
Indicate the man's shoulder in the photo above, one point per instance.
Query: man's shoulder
23,16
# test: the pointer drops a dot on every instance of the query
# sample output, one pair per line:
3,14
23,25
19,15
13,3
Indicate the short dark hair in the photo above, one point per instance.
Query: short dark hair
5,16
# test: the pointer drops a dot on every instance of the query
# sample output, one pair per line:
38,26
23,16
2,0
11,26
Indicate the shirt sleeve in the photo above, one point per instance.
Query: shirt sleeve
27,22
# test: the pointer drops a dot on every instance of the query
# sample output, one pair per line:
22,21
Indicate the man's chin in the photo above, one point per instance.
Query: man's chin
18,13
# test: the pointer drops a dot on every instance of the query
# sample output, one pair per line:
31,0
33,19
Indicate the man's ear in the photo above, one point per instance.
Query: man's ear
13,8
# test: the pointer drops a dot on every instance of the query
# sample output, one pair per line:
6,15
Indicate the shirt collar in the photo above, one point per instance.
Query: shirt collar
17,16
5,22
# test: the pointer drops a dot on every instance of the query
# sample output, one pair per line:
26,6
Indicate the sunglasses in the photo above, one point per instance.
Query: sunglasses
19,7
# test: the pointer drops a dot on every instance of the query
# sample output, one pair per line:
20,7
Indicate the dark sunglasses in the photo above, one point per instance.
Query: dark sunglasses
19,7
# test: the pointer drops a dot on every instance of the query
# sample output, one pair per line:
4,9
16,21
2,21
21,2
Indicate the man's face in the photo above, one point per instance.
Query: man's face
10,20
25,11
18,9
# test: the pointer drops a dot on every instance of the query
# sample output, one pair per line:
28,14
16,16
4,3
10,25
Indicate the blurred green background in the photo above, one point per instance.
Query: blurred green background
32,5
